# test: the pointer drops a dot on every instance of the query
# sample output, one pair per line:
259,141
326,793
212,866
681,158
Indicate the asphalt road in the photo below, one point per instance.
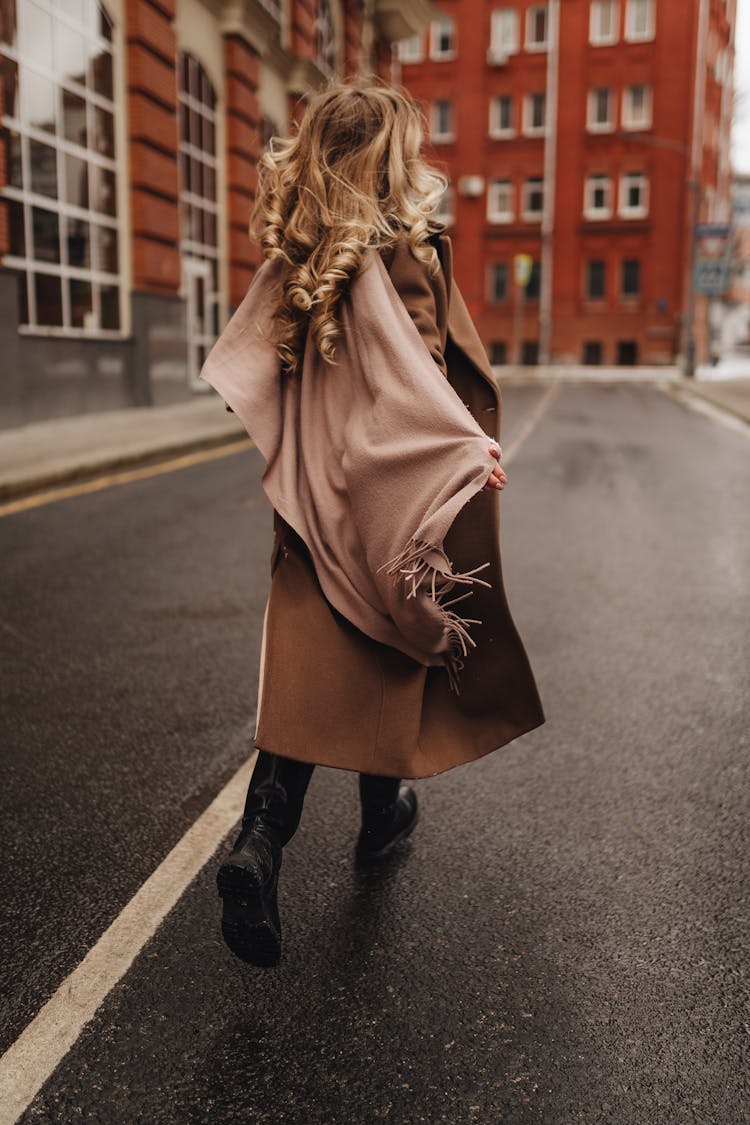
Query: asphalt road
564,938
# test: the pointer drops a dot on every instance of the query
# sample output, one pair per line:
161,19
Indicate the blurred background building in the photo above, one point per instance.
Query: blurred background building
131,131
591,136
586,141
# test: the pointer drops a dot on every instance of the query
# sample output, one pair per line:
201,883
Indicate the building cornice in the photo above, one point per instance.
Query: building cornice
398,19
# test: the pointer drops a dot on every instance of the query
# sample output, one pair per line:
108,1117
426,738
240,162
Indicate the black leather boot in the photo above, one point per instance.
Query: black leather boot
248,878
389,814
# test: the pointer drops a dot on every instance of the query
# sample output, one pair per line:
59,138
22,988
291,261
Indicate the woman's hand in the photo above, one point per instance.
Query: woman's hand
497,478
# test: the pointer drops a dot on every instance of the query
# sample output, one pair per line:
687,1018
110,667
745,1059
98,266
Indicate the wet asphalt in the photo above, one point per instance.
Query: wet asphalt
565,936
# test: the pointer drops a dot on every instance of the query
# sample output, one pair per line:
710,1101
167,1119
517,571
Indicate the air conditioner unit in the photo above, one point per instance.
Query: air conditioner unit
497,56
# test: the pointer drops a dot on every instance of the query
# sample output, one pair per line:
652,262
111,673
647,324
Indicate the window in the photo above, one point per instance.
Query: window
603,21
443,38
534,114
593,352
534,286
61,162
500,201
600,117
533,198
633,195
501,116
636,107
530,353
411,50
597,197
498,353
596,280
445,209
498,282
441,123
536,28
639,20
630,278
627,353
503,32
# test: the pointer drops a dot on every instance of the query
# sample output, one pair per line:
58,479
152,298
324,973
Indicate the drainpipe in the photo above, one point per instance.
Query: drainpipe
694,186
550,172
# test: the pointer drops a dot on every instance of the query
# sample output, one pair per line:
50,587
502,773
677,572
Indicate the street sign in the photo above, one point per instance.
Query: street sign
711,273
522,264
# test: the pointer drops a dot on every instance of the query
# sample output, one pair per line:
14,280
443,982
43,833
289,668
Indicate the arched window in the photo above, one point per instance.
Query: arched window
199,209
59,133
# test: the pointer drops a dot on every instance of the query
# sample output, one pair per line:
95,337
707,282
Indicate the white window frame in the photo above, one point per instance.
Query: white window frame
596,37
629,120
435,53
446,208
528,128
529,43
501,20
28,266
592,182
436,136
411,49
529,185
594,126
491,268
624,210
494,214
632,35
495,130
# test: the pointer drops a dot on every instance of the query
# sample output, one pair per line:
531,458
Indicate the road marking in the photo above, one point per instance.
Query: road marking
51,495
29,1062
531,421
712,410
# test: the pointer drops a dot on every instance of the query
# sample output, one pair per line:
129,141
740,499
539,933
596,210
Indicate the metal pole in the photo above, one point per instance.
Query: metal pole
693,184
550,169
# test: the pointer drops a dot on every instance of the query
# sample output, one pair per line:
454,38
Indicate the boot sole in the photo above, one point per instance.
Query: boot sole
367,857
248,925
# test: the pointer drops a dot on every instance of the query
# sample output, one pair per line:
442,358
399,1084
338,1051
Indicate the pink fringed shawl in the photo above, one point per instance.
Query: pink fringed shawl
369,460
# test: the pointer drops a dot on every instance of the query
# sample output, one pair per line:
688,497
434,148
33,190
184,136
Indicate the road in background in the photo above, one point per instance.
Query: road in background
563,937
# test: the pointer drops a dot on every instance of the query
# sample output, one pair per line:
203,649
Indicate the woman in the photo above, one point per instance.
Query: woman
355,366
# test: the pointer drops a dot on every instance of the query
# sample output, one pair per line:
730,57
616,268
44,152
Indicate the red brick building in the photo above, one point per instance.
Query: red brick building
131,131
598,143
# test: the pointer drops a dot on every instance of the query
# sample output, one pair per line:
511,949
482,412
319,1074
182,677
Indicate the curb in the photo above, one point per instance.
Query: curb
51,478
693,399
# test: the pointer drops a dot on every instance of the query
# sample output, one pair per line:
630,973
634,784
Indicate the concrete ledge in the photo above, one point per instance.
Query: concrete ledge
45,454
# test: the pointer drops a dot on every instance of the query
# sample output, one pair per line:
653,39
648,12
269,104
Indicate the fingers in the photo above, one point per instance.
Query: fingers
497,479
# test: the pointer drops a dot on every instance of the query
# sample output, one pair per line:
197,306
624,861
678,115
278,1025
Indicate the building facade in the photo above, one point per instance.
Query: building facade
589,136
131,131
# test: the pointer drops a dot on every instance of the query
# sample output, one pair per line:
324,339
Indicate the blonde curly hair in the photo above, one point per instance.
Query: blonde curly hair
350,177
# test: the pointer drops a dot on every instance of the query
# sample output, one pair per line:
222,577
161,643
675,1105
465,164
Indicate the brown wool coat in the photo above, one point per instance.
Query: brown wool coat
328,693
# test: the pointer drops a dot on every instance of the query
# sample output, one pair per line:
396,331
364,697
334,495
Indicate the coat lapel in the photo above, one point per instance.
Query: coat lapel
461,327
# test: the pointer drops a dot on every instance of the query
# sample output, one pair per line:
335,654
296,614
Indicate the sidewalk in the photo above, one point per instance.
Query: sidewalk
45,454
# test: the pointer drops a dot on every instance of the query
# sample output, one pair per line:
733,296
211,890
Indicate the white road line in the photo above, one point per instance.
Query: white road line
708,409
530,421
39,1049
29,1062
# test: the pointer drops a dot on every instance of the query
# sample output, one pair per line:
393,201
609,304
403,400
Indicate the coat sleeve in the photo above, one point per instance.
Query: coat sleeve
425,297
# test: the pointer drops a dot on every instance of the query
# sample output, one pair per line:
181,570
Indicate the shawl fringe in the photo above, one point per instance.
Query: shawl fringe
412,567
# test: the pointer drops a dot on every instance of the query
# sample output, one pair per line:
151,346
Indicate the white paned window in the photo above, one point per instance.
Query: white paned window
441,121
446,207
443,38
534,114
536,28
633,195
639,20
498,284
597,197
636,107
500,205
532,200
604,18
501,116
504,32
600,117
61,166
411,50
